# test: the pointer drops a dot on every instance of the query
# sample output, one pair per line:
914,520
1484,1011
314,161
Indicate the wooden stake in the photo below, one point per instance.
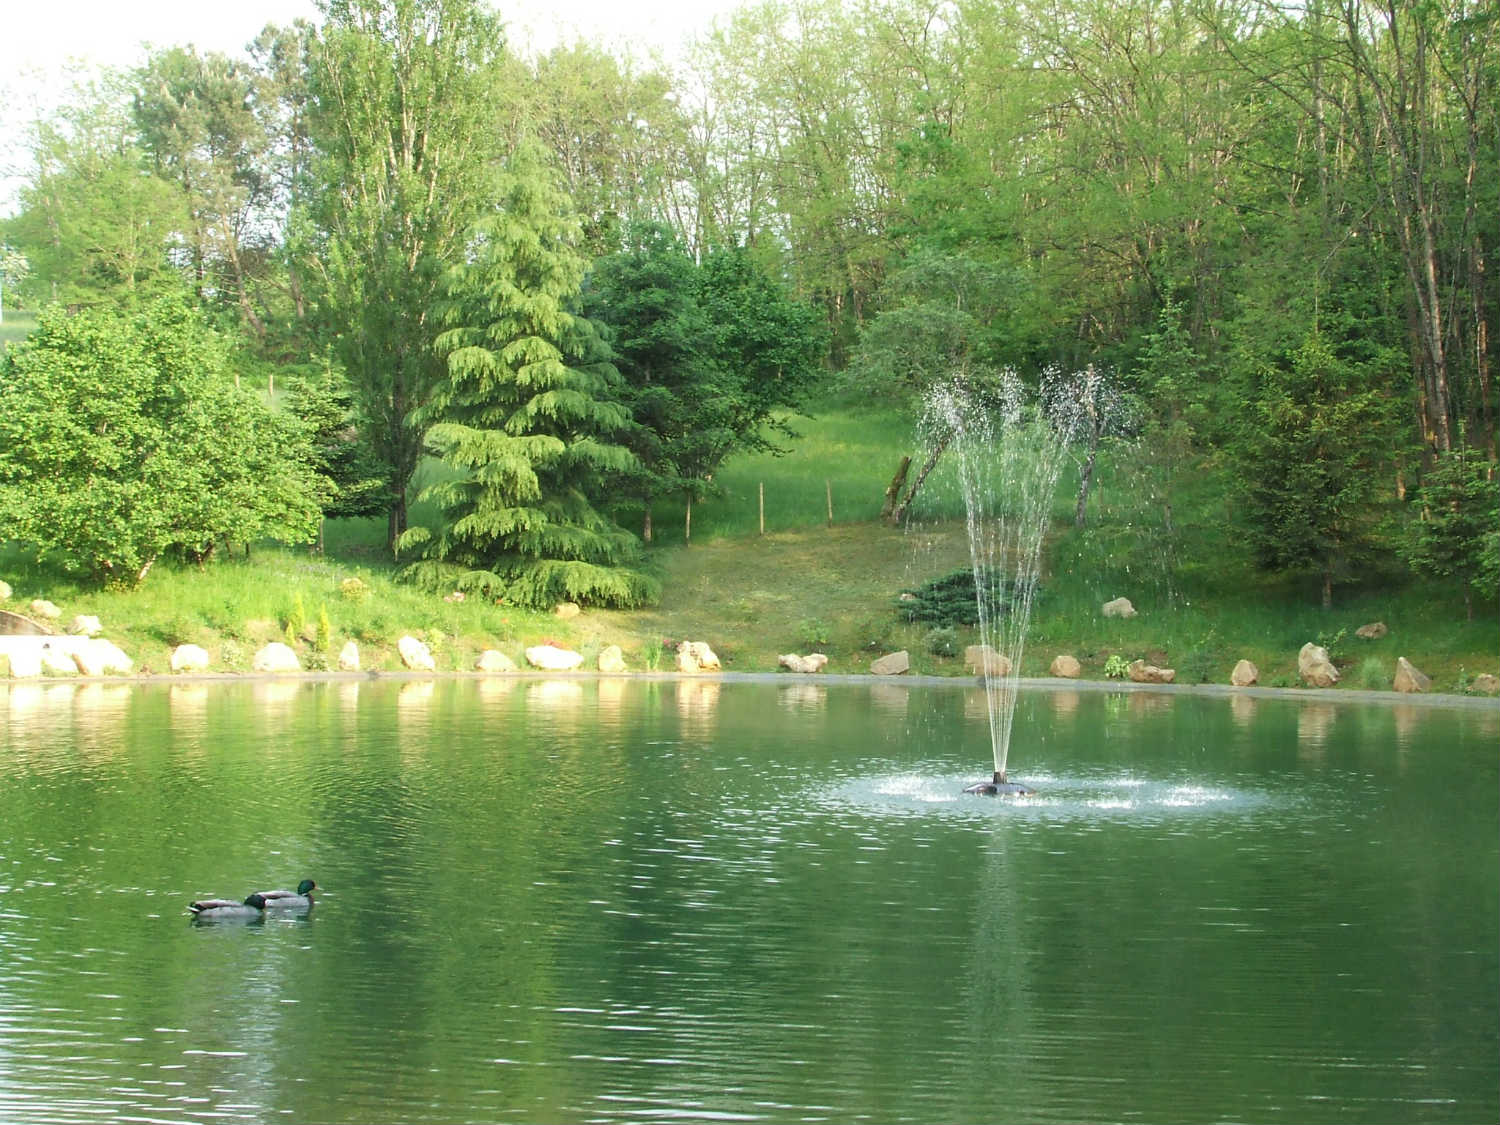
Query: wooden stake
828,487
762,507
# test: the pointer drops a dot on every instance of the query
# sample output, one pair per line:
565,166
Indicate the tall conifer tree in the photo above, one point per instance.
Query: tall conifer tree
525,419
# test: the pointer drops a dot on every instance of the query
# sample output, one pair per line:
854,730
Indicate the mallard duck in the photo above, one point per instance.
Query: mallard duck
301,898
208,908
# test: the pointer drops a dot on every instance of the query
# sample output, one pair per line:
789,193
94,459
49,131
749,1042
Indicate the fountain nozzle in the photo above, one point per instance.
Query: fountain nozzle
999,786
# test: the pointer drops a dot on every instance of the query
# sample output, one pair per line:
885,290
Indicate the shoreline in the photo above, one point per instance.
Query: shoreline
1322,695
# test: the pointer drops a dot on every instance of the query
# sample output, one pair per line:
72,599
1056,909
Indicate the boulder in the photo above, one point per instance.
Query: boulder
494,661
349,657
85,625
40,607
1066,667
415,655
58,661
1372,632
812,662
611,660
696,656
1143,673
891,664
189,658
1408,678
1120,607
1314,666
551,658
982,660
5,591
275,657
1486,684
567,610
98,657
1244,674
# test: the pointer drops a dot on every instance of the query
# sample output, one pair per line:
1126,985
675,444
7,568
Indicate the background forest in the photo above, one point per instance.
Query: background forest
584,282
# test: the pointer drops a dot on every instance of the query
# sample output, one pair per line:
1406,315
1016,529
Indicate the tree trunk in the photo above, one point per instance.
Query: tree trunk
396,522
1081,513
893,491
900,513
1085,478
646,521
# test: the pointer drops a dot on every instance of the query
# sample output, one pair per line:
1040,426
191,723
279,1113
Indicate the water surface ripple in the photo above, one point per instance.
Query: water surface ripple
610,901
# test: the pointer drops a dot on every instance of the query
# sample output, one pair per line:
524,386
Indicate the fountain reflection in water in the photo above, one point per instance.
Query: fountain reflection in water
1008,445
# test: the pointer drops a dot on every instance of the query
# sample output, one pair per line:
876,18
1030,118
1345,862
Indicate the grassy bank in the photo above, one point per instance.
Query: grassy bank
806,586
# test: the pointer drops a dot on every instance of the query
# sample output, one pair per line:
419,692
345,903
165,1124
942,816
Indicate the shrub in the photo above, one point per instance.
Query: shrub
1116,667
354,590
123,437
942,641
813,633
1373,674
946,601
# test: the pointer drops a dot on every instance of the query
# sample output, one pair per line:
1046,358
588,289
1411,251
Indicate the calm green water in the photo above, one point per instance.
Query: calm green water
608,901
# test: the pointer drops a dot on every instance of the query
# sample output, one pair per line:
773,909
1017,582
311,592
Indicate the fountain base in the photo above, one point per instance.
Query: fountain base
999,787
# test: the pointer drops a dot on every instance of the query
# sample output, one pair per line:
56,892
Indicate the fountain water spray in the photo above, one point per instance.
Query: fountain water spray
1009,448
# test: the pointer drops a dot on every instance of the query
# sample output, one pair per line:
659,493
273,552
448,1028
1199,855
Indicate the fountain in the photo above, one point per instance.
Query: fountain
1009,448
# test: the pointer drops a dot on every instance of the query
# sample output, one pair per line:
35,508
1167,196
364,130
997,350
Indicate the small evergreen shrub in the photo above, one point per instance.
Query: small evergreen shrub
943,602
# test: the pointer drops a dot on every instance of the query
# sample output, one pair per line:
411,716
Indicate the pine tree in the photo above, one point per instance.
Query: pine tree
526,420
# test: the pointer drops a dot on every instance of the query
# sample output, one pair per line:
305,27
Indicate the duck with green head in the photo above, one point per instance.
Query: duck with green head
215,909
300,899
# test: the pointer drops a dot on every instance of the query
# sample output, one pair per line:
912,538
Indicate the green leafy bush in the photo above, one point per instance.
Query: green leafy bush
813,633
1116,667
942,641
123,438
1373,674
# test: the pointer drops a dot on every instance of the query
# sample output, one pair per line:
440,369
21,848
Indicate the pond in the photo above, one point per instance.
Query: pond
609,900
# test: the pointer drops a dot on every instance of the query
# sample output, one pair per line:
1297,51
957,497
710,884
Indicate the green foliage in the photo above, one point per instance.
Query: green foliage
356,479
123,437
1459,525
392,206
943,601
1311,440
941,641
711,356
1333,644
525,420
354,590
945,317
645,296
813,633
295,623
1373,674
1116,667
